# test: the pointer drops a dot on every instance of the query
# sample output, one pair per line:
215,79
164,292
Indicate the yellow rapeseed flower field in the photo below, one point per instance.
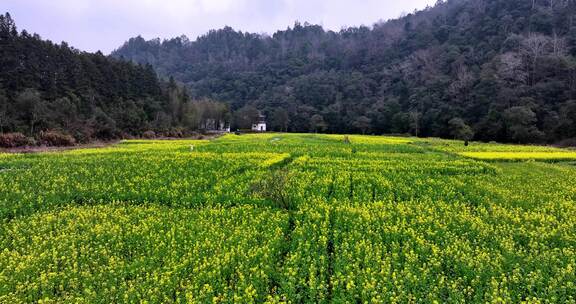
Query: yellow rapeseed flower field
289,218
556,155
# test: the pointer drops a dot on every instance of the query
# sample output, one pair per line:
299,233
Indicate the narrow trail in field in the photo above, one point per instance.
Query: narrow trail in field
275,284
330,254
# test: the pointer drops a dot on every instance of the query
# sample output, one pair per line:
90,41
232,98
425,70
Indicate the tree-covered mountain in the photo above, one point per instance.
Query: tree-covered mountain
499,69
53,87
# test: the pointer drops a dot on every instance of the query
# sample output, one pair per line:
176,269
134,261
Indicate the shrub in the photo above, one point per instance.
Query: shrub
13,140
55,138
567,143
126,135
175,133
275,188
149,134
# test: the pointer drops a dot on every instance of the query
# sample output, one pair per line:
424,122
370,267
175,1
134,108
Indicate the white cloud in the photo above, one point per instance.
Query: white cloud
106,24
220,6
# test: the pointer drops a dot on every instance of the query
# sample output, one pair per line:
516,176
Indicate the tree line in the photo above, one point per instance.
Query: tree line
53,87
502,70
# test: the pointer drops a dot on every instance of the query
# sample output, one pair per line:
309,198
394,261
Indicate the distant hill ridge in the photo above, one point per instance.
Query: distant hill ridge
498,69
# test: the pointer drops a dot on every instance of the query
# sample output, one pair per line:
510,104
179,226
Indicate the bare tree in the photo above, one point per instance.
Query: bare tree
464,79
317,123
558,46
362,123
534,47
422,65
415,122
511,69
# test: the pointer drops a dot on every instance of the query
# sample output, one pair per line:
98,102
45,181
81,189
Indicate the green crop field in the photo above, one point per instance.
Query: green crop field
289,218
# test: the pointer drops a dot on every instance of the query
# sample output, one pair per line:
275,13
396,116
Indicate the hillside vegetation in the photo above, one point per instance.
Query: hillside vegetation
61,95
295,218
498,70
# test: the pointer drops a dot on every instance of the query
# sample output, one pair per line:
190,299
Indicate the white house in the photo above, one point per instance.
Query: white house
260,125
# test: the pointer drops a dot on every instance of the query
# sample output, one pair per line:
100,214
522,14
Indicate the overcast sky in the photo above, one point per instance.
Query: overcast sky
104,25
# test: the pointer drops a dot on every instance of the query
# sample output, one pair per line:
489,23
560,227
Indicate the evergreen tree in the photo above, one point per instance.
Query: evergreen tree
45,86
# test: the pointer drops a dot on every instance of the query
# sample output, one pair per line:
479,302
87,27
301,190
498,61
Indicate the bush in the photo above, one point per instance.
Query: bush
125,135
275,188
175,133
13,140
149,135
55,138
567,143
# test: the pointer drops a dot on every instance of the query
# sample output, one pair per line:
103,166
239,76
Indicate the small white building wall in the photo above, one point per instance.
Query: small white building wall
259,127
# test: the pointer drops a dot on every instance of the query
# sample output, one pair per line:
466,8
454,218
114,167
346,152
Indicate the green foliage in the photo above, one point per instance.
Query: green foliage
245,117
460,130
521,123
280,120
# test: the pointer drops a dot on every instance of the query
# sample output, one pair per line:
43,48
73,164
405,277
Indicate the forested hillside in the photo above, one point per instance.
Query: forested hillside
496,69
56,88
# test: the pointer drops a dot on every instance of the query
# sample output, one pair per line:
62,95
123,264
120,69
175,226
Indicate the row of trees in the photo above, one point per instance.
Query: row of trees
47,86
499,69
